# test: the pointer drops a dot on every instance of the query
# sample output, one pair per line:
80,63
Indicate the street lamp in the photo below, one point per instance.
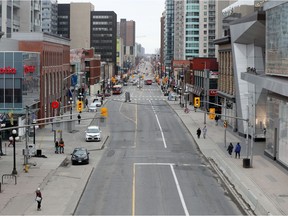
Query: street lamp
70,102
1,151
80,96
34,130
13,138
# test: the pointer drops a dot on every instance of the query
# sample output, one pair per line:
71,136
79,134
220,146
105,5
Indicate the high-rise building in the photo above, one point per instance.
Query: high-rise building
49,16
127,32
169,33
80,28
63,20
16,15
30,16
104,35
179,30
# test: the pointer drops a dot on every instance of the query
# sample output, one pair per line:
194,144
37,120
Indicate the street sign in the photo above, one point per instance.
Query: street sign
55,104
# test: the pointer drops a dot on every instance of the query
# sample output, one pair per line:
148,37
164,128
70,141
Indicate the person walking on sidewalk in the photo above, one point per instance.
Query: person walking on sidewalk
237,150
56,147
198,133
79,118
216,119
61,145
204,131
230,148
38,199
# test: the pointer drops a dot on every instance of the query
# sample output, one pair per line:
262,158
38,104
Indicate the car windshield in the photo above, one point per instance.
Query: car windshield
93,130
80,152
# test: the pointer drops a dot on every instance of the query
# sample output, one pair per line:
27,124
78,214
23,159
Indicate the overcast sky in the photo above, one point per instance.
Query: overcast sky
146,14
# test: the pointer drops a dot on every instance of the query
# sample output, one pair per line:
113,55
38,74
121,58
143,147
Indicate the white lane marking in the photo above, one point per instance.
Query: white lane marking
176,182
162,134
179,191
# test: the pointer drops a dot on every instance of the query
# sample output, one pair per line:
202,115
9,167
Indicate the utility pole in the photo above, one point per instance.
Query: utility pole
27,135
206,91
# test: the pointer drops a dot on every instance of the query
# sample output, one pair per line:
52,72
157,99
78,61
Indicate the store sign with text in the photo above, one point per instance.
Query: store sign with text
7,70
29,69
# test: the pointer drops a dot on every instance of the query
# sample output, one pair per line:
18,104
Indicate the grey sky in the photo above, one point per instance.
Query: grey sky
146,14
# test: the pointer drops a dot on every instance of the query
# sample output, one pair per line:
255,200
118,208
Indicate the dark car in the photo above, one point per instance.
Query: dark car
80,156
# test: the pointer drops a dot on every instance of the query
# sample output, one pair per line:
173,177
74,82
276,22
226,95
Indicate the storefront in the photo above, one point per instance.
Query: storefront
19,85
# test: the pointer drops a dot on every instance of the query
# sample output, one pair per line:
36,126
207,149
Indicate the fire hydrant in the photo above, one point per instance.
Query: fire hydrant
26,168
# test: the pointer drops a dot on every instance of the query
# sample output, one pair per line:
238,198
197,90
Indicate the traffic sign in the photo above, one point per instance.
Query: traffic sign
55,104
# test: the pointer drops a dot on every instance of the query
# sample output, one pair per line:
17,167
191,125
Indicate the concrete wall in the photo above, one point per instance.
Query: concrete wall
80,24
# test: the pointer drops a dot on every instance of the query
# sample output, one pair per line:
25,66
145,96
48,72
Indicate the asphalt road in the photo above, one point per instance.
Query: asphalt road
151,165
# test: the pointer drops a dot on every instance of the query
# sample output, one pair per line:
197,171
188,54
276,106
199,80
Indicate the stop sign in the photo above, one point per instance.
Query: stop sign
55,104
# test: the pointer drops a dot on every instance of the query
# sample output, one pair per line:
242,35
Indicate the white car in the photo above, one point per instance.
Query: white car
93,133
97,100
93,106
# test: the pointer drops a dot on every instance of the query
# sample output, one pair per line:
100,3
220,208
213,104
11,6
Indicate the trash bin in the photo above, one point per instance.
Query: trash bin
38,152
246,163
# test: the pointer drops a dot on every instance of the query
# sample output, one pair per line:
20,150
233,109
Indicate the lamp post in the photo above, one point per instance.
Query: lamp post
13,138
34,130
1,150
70,102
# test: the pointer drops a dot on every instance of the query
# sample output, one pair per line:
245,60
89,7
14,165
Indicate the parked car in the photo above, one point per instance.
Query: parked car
93,133
97,101
125,83
80,156
93,106
148,82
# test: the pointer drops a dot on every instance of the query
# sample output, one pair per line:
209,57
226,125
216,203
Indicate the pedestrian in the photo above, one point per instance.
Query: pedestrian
198,133
102,100
61,146
230,148
204,131
56,147
79,118
237,150
86,102
216,119
10,142
38,199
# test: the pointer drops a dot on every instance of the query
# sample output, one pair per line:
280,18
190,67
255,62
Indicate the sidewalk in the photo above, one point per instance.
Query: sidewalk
263,187
61,187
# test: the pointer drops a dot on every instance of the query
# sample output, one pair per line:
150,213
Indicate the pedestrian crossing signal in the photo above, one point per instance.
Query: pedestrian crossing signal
80,106
197,102
225,124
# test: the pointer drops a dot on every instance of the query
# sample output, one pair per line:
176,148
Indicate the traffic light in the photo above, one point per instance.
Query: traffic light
197,102
104,112
79,106
225,124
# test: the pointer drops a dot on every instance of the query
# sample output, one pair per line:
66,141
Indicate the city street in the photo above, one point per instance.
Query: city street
151,165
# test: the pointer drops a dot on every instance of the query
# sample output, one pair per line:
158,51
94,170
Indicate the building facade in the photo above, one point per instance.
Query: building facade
54,67
49,16
104,35
63,20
